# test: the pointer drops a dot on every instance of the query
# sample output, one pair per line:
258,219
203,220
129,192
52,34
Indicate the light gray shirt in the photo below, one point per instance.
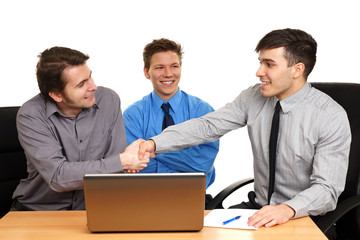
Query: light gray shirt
312,152
61,149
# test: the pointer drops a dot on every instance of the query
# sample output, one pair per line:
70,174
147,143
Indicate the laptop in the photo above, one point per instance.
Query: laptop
145,202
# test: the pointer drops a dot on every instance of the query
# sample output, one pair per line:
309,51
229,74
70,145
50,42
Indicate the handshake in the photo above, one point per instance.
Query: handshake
137,155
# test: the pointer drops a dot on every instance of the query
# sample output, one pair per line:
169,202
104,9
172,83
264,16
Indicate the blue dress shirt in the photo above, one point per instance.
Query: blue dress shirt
143,119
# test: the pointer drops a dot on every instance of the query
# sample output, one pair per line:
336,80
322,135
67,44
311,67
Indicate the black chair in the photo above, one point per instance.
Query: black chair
346,216
12,158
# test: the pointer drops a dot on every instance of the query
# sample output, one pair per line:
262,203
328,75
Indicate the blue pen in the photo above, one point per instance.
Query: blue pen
230,220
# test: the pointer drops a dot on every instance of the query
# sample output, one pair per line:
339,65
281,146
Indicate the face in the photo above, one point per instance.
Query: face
78,92
277,79
164,73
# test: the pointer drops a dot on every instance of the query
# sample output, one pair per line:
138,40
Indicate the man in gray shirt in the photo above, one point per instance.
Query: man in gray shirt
313,139
71,128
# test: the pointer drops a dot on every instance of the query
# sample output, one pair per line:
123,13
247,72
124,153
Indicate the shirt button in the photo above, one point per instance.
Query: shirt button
80,140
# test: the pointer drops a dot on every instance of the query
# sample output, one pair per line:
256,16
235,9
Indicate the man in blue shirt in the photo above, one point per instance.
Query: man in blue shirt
144,118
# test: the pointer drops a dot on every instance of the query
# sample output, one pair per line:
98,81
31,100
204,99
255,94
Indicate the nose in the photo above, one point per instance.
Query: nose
168,72
260,72
92,85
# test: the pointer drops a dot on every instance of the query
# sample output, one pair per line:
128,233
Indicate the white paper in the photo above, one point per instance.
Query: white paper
217,216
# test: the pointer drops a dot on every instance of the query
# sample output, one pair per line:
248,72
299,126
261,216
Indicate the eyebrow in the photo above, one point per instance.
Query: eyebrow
81,82
171,64
266,60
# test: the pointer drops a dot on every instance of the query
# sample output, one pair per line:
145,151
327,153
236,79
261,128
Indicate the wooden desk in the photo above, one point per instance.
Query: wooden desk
68,225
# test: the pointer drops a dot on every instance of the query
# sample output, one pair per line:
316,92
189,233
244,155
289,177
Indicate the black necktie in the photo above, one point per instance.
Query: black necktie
272,148
168,120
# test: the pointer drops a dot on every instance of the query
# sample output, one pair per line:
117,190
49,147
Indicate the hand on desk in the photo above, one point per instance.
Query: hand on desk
269,216
130,160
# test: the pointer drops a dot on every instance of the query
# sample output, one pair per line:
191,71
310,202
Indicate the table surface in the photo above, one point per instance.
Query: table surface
67,225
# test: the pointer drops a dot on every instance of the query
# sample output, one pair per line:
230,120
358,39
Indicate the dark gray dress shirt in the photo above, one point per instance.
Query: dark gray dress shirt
312,151
61,149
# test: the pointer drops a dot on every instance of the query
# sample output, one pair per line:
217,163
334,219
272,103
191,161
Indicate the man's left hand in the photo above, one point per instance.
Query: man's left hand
269,216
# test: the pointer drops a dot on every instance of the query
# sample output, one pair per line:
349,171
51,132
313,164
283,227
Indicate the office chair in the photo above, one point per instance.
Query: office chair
347,213
12,158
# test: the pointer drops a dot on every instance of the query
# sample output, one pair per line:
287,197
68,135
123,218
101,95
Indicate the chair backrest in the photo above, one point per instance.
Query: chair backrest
348,96
12,158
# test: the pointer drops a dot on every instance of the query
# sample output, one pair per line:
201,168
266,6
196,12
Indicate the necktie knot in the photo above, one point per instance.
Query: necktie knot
278,106
166,107
168,120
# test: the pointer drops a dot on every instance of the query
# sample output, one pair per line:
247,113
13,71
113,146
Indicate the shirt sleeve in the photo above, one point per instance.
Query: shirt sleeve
204,129
133,127
329,169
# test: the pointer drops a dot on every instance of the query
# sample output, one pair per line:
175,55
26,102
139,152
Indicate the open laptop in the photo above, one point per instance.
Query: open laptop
145,202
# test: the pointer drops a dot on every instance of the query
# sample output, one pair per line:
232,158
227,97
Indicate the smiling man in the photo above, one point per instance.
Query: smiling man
71,128
145,118
309,151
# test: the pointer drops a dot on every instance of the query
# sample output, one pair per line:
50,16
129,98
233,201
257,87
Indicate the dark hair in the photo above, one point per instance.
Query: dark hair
52,63
160,45
299,47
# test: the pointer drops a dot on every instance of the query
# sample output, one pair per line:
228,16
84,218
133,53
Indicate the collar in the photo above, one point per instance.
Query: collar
174,101
52,108
290,102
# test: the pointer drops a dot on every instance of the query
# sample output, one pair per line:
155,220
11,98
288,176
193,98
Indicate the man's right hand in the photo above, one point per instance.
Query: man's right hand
147,147
130,160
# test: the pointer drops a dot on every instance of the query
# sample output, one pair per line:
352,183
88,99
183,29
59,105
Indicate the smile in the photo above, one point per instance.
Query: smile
168,82
89,97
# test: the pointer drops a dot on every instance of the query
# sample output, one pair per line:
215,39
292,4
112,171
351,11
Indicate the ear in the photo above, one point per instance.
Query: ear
146,73
56,96
298,70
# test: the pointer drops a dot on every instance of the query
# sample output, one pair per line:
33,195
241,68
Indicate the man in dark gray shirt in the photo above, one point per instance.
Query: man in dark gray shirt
71,128
313,139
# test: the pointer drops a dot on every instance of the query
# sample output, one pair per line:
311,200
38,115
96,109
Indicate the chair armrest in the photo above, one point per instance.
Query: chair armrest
326,221
217,201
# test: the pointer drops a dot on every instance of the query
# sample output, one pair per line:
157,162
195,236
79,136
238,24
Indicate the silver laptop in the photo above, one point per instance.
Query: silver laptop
145,202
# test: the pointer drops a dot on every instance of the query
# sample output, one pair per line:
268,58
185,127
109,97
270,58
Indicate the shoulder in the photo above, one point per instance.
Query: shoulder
103,95
195,102
324,103
35,107
139,106
251,96
253,91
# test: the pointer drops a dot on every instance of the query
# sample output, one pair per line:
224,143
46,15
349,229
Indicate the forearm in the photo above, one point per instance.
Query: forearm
195,159
68,176
197,131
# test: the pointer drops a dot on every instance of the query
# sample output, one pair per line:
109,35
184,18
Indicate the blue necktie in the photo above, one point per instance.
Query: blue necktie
272,148
168,120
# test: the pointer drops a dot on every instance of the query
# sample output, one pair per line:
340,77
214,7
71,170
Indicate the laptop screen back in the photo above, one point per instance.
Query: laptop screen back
145,202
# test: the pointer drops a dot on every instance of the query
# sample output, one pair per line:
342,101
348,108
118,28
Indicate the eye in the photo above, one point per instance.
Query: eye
81,84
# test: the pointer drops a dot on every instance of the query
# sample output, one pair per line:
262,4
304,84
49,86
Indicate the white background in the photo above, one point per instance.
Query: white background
218,37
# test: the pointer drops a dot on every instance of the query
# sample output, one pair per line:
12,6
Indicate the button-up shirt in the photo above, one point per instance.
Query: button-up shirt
144,118
312,150
61,149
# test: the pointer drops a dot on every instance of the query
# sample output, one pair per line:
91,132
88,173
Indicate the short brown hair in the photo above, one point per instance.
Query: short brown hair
299,47
52,63
160,45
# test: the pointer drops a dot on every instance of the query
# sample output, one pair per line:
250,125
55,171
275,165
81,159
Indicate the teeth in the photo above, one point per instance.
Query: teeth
167,82
265,83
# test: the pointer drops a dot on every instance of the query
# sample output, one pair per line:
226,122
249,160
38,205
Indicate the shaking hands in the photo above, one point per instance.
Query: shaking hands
130,160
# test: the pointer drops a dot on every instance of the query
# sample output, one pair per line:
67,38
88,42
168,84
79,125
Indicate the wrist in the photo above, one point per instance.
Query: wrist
290,210
152,142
